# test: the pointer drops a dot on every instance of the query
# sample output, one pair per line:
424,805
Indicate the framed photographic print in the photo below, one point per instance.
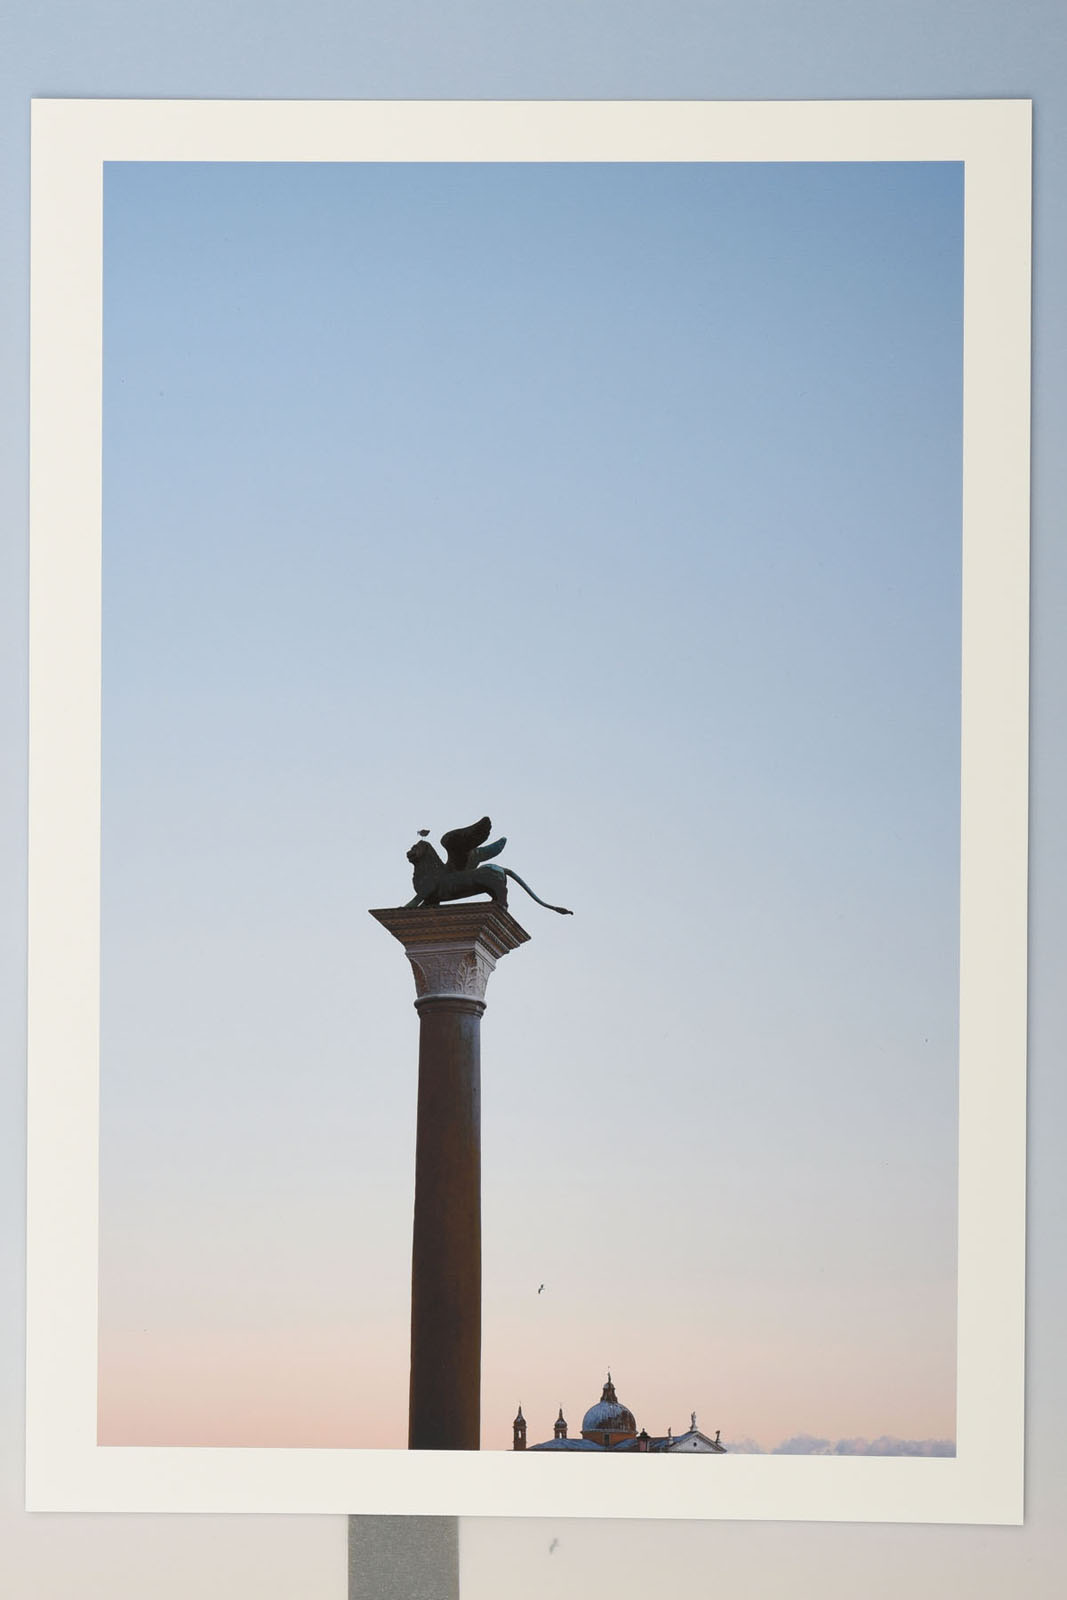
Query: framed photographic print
642,484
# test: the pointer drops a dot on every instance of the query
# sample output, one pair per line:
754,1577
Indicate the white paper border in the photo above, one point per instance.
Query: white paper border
66,1470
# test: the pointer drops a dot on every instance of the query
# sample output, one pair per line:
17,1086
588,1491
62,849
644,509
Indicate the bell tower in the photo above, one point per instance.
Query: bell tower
518,1432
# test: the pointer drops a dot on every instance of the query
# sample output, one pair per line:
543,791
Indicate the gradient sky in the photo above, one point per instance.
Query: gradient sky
622,503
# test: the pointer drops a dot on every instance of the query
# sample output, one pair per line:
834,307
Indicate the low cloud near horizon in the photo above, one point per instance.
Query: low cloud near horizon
806,1444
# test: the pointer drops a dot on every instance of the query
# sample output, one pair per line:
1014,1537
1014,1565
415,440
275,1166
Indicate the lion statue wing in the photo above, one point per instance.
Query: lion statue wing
462,843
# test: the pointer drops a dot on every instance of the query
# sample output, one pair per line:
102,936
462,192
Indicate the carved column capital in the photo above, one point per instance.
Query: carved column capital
453,949
450,971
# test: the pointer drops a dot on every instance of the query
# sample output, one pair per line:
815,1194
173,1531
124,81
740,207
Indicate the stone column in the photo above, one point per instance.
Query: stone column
453,950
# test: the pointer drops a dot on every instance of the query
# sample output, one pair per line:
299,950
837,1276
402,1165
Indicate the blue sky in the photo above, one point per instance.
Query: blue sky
622,502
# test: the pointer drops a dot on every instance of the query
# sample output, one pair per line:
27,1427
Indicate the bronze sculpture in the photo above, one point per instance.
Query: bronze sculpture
466,870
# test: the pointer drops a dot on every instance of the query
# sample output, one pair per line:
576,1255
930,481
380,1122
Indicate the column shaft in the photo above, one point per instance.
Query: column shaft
446,1262
452,950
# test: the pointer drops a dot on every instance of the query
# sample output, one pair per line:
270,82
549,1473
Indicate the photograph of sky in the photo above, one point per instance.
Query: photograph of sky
621,503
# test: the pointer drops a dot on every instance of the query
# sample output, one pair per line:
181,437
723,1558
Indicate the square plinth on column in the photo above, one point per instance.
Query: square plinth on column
482,922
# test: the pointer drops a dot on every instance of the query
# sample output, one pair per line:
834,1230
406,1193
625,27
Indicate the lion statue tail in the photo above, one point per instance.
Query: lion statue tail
521,881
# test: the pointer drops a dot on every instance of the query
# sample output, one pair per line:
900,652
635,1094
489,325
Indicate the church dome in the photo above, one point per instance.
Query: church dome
609,1415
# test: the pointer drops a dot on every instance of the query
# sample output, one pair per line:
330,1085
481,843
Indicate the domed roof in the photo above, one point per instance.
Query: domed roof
609,1415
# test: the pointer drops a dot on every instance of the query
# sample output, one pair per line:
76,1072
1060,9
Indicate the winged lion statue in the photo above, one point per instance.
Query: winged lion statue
467,870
